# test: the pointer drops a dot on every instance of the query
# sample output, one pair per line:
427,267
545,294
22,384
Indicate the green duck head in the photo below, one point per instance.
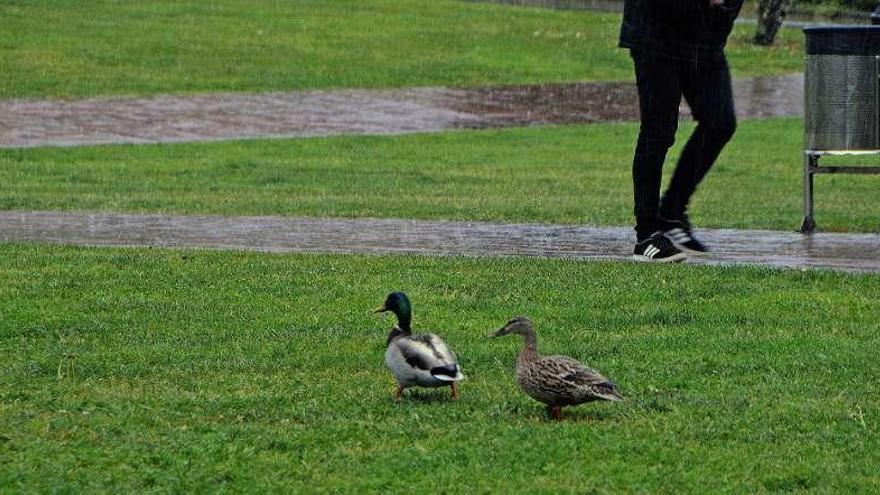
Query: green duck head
519,325
398,303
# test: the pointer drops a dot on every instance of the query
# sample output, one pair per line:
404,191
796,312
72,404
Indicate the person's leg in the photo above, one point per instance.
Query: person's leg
659,89
707,89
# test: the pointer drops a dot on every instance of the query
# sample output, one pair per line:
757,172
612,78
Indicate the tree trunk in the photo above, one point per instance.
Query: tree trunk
771,13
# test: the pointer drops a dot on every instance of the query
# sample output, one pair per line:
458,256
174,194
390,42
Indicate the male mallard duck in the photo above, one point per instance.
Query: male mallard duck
555,380
420,360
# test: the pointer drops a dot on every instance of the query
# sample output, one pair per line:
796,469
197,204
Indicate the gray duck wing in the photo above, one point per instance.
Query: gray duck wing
445,364
415,353
439,350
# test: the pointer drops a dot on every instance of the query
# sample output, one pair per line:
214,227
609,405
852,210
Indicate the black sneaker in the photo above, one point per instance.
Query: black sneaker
657,249
681,235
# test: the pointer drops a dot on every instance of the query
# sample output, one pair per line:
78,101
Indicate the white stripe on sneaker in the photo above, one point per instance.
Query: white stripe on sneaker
678,235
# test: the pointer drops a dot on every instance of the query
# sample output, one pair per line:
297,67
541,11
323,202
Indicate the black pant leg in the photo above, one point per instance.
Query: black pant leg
659,88
707,89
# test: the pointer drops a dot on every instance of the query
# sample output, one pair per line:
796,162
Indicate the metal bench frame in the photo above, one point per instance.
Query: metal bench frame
811,168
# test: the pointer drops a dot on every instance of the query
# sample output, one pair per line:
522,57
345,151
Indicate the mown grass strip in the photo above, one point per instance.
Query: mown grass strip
53,49
136,369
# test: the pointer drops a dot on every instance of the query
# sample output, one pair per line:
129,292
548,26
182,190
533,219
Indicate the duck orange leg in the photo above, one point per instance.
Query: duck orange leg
398,394
454,392
555,411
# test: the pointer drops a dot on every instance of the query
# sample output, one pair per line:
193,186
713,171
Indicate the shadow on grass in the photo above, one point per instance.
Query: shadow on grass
586,415
427,396
599,411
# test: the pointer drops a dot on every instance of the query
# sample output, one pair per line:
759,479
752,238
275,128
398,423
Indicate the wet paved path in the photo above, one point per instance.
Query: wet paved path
849,252
208,117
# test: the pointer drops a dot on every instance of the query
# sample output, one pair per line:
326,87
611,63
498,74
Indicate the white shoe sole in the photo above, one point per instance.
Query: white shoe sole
675,258
690,252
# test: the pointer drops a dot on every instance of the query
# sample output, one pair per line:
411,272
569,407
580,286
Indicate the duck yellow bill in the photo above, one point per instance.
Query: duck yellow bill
380,309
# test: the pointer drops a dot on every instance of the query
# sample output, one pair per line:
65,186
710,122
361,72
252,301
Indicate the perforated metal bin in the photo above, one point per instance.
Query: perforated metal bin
841,101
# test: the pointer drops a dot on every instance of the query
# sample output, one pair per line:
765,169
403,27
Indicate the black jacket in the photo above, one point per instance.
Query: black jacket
689,29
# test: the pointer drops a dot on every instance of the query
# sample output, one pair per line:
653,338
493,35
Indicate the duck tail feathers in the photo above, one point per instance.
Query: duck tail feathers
447,373
608,391
612,396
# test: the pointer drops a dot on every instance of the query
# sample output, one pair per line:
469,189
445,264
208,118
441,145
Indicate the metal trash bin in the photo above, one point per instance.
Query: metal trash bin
841,101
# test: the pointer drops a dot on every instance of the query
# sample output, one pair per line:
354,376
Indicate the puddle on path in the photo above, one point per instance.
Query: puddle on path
206,117
848,252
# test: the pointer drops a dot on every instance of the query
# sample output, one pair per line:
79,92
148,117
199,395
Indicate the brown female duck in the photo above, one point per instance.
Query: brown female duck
555,380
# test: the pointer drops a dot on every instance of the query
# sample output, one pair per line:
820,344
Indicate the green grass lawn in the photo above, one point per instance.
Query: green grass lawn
53,49
171,370
573,174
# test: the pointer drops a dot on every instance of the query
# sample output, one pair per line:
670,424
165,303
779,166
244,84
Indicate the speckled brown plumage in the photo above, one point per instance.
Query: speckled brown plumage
555,380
